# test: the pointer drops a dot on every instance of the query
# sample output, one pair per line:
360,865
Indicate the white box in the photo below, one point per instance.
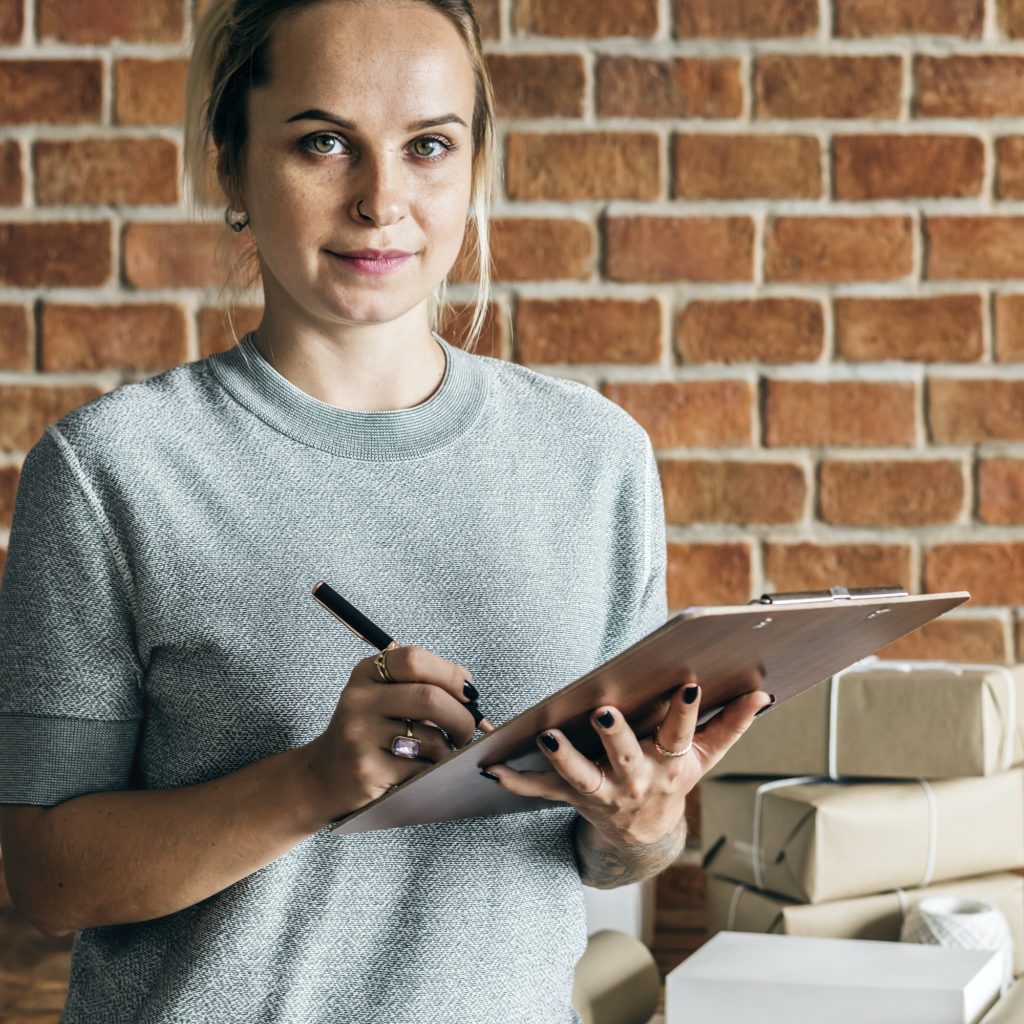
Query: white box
739,977
629,909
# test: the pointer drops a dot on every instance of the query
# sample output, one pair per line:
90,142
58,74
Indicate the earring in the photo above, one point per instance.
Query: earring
232,222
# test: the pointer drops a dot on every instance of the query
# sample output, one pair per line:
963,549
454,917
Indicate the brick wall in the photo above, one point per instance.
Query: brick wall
787,236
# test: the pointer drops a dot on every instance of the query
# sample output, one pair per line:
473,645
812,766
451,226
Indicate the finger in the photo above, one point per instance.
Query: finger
546,785
718,735
433,747
676,730
418,664
624,754
424,703
578,771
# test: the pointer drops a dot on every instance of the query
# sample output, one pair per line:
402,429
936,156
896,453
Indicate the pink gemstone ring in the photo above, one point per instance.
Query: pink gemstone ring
407,745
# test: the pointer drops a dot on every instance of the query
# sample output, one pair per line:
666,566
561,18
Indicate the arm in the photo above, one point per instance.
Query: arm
606,865
119,857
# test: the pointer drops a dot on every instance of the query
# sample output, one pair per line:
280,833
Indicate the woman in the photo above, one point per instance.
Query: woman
172,740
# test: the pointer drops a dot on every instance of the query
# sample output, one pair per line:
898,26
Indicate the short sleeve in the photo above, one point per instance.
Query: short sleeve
70,677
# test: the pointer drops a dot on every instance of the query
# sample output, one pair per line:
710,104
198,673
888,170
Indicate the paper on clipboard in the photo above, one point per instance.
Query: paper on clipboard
783,648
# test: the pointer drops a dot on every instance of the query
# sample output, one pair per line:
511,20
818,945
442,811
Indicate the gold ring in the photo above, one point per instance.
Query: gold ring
670,753
382,665
588,792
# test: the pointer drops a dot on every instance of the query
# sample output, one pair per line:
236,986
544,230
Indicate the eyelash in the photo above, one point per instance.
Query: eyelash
306,145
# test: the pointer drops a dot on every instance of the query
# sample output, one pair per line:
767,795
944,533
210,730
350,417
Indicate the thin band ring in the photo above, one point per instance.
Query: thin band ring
588,792
382,665
670,753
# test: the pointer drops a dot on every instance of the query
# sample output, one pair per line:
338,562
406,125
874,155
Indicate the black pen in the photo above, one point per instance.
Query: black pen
372,633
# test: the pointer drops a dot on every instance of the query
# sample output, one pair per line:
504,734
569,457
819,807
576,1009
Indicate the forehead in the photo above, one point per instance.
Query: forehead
368,61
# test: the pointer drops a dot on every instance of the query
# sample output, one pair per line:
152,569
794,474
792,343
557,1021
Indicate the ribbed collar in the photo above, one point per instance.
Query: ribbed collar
371,436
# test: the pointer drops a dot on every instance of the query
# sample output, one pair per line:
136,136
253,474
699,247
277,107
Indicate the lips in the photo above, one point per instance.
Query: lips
373,261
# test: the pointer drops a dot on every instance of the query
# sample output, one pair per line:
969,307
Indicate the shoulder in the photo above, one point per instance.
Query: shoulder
565,406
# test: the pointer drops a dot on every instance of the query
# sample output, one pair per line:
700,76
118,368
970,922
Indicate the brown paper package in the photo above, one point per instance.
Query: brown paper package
928,723
832,840
878,917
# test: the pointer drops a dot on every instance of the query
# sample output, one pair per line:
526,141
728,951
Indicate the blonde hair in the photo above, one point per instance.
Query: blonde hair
230,58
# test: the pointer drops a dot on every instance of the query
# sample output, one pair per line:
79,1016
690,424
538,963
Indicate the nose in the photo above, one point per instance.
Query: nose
379,197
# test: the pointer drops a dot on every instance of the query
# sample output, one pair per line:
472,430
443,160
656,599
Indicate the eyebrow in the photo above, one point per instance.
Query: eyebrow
315,114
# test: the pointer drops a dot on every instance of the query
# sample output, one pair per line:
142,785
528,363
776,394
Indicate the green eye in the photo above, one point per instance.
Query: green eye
321,141
430,147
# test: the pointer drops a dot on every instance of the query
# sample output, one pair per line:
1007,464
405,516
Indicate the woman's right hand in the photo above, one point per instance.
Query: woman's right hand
352,759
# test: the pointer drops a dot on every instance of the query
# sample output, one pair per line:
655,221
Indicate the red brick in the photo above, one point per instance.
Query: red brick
149,92
534,249
838,248
50,91
708,574
1001,491
594,165
488,17
898,493
706,491
679,87
1010,328
766,19
974,247
12,187
679,249
495,339
122,172
1010,167
126,337
790,85
907,166
969,411
214,328
820,566
1011,16
969,86
55,254
964,640
99,21
747,167
537,85
16,336
707,413
751,330
941,328
179,255
800,412
12,21
8,492
585,19
909,17
587,331
26,411
993,573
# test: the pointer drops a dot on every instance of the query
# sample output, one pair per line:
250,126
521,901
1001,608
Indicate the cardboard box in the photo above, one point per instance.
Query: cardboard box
1009,1009
921,720
735,908
736,978
820,840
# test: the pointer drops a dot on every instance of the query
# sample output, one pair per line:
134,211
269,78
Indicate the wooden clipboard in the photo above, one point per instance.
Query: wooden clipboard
784,644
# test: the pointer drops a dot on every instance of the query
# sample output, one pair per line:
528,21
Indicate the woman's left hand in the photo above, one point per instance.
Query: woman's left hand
637,796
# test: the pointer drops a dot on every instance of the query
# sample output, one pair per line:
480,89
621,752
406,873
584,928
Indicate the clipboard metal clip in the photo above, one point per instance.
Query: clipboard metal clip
834,594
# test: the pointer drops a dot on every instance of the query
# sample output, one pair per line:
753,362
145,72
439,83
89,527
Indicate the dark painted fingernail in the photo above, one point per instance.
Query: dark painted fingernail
549,741
488,775
606,718
690,693
477,714
471,692
767,706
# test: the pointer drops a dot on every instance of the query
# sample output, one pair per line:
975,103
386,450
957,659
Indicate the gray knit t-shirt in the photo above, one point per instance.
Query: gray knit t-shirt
157,630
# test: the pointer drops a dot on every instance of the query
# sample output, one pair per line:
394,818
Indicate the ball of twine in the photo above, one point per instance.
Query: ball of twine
961,924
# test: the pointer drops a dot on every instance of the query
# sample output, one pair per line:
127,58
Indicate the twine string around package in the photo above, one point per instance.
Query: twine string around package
1009,721
757,839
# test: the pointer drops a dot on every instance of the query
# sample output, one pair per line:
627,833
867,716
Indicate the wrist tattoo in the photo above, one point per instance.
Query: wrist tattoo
604,865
